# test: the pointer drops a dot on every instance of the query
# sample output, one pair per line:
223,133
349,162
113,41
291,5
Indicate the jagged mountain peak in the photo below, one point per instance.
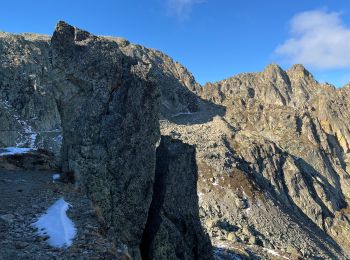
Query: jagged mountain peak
66,34
273,68
293,87
298,71
62,24
295,72
64,31
273,72
271,155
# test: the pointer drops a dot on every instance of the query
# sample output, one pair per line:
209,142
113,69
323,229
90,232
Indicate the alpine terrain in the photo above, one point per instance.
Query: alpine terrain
149,164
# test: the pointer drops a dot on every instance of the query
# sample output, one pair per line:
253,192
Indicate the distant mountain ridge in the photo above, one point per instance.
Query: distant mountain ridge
271,149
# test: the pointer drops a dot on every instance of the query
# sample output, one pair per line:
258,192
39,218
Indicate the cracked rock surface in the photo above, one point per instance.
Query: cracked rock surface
272,148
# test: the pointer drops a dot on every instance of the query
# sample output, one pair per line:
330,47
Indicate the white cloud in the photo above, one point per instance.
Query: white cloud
182,8
318,39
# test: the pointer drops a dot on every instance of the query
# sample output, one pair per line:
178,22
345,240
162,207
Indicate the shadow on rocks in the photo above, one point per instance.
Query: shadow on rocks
173,229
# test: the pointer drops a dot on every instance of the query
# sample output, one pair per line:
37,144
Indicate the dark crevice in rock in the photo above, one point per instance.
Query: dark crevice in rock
299,124
154,219
314,129
173,229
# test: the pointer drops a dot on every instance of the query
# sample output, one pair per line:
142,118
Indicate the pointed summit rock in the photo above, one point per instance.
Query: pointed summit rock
303,84
299,71
63,34
273,69
274,72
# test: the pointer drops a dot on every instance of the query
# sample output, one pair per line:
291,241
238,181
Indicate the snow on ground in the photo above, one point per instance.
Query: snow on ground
182,113
28,130
14,150
224,254
29,134
56,177
274,253
55,224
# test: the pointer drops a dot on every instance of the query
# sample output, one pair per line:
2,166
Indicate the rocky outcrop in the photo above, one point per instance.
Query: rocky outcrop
272,148
174,212
28,111
102,99
108,104
289,133
176,83
32,160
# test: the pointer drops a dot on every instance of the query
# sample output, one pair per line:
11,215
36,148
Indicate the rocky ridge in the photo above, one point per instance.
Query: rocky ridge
102,103
272,148
293,132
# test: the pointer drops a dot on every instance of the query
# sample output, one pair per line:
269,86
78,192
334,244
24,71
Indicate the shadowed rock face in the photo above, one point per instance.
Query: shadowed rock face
174,212
108,105
28,111
272,148
101,99
177,86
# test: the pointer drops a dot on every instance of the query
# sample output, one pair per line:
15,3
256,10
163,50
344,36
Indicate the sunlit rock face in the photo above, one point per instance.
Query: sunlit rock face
290,135
95,103
271,148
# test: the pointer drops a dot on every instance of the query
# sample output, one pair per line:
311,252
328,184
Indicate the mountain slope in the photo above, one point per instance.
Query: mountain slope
272,149
104,106
288,135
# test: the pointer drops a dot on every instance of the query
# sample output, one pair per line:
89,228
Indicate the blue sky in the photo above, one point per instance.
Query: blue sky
214,39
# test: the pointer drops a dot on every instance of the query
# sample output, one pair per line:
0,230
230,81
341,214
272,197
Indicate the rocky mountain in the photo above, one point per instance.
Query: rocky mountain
290,135
261,160
103,107
28,117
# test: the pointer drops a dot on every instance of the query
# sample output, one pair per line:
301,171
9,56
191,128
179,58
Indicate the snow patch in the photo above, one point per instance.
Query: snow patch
273,252
29,134
14,150
319,179
55,224
222,252
56,177
182,113
58,139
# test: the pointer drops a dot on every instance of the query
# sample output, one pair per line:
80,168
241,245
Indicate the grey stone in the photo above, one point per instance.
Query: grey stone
95,103
278,140
174,212
106,114
7,218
